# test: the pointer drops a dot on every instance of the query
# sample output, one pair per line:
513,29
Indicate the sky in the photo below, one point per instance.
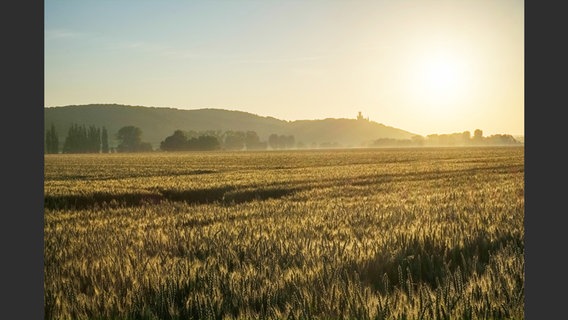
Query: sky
424,66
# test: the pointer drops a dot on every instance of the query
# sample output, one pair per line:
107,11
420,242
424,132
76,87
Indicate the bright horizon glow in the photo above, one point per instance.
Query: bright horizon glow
424,66
437,81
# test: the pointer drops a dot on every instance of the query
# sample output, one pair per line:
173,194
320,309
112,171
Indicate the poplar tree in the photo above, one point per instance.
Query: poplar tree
104,140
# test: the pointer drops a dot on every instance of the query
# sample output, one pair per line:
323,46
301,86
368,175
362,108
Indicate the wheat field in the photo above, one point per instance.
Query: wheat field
425,233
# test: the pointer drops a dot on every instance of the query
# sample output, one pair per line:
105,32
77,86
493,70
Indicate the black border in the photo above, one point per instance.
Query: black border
23,162
545,186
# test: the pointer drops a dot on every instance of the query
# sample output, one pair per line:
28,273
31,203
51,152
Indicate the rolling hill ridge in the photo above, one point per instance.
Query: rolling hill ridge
157,123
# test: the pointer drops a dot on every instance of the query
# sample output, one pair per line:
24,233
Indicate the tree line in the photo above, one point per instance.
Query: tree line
227,140
92,139
453,139
82,139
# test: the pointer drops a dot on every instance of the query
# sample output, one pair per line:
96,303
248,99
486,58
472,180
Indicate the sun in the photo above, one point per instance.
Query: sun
441,75
439,81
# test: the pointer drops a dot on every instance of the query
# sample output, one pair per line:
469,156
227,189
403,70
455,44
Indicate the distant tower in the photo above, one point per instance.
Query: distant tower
360,116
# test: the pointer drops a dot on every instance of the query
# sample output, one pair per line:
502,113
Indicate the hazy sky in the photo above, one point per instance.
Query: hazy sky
422,66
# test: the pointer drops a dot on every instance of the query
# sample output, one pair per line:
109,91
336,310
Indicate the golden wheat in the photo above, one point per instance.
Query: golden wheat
359,233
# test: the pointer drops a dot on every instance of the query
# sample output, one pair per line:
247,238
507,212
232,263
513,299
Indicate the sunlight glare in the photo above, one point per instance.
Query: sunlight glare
439,82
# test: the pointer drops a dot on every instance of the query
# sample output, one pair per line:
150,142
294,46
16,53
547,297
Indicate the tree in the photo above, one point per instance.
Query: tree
417,140
214,133
130,140
234,140
501,139
76,140
274,141
252,141
288,141
281,141
104,140
179,141
51,140
175,142
94,140
47,146
82,140
478,136
204,142
466,137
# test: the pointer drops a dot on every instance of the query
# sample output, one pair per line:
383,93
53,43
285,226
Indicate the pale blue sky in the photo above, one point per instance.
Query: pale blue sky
422,66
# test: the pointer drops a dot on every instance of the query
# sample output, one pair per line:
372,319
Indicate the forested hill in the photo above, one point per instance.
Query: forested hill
158,123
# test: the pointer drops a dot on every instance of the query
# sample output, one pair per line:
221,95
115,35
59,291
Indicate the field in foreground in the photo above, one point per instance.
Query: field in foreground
343,234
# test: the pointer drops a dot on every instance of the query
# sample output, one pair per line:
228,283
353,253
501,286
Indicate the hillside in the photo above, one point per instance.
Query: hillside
158,123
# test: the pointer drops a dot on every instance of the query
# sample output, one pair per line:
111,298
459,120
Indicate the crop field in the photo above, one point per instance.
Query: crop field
425,233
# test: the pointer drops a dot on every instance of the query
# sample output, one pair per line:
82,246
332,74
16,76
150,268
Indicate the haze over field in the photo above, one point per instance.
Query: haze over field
424,66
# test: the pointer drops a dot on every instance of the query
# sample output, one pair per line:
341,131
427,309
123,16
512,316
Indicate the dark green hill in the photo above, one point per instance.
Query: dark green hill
158,123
